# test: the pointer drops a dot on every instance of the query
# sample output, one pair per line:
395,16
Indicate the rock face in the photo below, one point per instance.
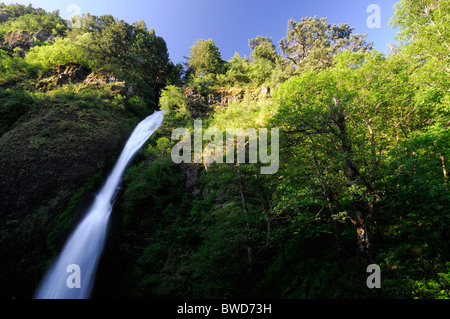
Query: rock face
50,160
41,158
61,75
78,74
53,157
202,103
26,40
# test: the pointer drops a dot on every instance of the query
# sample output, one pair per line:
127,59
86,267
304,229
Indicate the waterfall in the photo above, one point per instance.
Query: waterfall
82,251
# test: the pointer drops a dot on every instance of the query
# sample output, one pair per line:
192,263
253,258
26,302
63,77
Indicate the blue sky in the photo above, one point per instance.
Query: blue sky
230,23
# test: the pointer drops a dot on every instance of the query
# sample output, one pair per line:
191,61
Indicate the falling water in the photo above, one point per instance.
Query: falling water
85,245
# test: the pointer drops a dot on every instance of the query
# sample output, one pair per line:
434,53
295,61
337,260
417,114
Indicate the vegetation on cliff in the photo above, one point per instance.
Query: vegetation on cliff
364,152
64,116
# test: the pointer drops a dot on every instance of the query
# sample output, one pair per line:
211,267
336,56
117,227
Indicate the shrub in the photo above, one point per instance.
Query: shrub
63,51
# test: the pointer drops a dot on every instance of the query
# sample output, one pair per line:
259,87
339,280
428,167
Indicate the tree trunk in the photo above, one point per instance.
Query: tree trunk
353,174
373,173
444,170
249,248
363,236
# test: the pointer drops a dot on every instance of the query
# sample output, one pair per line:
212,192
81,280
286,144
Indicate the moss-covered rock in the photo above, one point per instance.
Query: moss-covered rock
61,75
52,159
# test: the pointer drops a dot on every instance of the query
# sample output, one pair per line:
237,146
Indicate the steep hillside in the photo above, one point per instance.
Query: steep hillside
360,177
63,123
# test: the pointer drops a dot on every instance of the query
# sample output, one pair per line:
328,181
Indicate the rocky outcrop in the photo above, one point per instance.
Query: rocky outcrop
26,40
51,164
202,103
78,74
104,77
61,75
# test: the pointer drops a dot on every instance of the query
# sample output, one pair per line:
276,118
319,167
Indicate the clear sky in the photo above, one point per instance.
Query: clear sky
230,23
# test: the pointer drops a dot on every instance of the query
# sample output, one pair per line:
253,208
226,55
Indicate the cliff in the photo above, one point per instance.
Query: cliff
59,136
25,39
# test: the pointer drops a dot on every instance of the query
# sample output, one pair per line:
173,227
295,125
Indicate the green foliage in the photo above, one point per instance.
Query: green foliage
17,10
263,48
265,60
35,20
63,224
127,48
12,67
419,179
161,150
176,106
238,72
152,201
260,71
311,43
307,269
362,134
251,114
424,33
62,51
13,105
205,58
151,187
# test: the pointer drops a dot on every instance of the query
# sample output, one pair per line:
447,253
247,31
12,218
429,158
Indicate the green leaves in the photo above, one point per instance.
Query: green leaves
129,49
424,30
205,58
173,101
62,51
32,19
312,42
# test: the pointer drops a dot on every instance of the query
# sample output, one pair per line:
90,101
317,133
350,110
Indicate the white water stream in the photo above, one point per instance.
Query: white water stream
85,245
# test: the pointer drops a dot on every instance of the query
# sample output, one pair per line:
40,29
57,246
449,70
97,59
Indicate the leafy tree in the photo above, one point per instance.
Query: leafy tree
14,104
173,101
175,74
312,42
12,67
237,228
17,10
62,51
130,49
238,73
265,59
263,48
337,119
35,21
423,29
205,58
261,71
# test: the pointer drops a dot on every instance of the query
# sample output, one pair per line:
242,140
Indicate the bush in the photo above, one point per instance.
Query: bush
173,101
63,51
12,67
50,22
